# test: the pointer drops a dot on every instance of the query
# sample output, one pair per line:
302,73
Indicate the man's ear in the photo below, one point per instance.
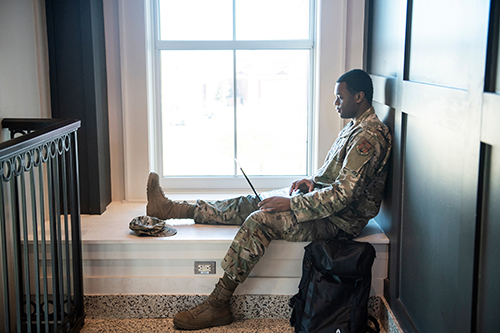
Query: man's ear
360,97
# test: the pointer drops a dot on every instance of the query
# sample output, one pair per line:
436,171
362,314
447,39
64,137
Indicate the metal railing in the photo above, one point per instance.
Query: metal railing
41,280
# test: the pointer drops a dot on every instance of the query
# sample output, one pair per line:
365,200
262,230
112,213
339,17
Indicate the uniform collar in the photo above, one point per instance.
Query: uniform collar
364,116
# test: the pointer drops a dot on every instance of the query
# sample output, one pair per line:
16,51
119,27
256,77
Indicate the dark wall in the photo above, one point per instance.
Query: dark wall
434,66
78,90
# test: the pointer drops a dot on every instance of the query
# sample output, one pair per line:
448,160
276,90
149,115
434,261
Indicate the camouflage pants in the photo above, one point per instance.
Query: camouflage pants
257,231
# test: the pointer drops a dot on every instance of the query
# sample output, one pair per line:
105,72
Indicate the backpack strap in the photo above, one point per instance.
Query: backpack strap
342,235
374,321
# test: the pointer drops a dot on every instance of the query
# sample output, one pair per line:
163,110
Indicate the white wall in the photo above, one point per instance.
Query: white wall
340,49
24,78
113,63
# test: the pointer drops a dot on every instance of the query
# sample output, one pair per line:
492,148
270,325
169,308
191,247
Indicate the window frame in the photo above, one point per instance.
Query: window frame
236,182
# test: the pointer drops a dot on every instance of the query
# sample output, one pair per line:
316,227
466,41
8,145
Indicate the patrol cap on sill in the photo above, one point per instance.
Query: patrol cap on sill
151,226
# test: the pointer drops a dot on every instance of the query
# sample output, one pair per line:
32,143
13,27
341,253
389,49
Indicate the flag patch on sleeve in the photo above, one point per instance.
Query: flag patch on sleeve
364,147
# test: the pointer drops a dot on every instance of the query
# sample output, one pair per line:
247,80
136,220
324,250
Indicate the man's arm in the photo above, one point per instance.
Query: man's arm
281,204
357,167
275,204
305,185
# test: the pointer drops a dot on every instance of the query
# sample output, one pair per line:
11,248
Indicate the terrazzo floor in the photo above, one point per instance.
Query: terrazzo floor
166,325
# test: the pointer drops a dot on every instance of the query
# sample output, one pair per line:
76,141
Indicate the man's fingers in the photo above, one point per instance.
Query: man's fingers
266,208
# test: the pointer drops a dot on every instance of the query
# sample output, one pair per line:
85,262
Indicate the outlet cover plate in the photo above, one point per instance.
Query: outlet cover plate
204,267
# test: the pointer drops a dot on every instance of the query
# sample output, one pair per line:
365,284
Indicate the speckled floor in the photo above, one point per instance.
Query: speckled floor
166,325
153,313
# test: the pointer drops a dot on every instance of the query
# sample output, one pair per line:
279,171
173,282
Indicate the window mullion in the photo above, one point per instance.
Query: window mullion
235,115
235,121
234,20
234,45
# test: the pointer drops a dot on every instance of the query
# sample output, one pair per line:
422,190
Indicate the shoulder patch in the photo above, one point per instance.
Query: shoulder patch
364,147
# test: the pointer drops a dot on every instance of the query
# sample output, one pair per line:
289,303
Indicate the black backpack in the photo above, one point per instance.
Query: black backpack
334,288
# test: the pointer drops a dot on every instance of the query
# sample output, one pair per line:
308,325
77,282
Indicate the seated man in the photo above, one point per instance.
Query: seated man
341,197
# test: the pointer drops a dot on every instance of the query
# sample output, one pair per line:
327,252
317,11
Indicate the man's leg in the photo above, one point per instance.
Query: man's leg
255,235
247,248
214,311
231,211
162,207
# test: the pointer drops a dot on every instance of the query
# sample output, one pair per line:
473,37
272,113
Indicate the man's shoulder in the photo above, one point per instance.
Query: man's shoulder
371,133
372,119
372,126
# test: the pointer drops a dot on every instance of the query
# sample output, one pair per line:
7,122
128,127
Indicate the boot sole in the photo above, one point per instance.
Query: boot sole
150,180
219,322
148,188
149,212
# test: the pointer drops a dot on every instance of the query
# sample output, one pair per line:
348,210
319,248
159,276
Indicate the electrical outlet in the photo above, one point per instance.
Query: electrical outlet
204,267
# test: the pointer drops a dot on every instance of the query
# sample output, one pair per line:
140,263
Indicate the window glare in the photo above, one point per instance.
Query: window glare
272,111
272,19
226,92
197,113
196,19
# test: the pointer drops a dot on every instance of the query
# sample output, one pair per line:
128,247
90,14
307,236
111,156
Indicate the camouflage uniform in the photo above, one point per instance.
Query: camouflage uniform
348,193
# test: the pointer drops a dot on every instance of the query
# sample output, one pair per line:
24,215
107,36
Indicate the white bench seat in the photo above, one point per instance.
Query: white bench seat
116,261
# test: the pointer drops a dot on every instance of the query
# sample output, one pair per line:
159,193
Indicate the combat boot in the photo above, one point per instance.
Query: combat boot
215,311
161,207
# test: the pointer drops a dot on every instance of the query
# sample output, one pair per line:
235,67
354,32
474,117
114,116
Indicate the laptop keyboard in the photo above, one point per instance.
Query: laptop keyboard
281,192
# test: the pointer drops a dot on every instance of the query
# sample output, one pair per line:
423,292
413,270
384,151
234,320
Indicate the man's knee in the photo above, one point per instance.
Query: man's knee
260,219
272,223
257,216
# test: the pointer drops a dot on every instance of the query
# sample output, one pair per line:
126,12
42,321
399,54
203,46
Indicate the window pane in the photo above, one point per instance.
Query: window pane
272,99
196,20
197,113
272,19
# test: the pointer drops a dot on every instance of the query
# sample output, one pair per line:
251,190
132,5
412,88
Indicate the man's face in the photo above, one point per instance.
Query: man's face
345,102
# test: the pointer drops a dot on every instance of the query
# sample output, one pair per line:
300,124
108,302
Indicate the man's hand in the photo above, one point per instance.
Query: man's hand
275,204
304,185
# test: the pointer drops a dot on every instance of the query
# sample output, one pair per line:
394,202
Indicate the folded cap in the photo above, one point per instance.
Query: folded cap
151,226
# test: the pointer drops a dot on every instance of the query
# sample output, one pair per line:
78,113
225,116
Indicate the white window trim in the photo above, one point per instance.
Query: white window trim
135,60
227,184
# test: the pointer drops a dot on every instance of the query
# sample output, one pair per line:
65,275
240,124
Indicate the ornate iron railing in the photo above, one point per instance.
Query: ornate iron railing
40,238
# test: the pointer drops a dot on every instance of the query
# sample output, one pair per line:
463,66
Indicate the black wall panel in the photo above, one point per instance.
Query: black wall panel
440,39
431,63
433,282
487,298
78,86
383,48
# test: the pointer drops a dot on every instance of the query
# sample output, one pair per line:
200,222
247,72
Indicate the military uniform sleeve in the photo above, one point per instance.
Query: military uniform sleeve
351,180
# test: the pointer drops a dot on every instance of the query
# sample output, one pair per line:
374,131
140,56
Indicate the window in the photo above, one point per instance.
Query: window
234,80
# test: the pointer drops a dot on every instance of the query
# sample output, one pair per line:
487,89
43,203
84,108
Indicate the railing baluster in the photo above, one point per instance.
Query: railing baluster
24,219
44,247
76,240
3,238
15,235
60,269
35,246
66,231
53,240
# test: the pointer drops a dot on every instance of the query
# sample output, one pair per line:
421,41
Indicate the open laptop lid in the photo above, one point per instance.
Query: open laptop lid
248,180
283,192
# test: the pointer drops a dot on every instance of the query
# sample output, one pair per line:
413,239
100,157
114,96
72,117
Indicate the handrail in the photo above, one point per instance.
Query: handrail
39,130
40,236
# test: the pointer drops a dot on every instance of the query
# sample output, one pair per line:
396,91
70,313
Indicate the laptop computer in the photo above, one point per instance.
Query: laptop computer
281,192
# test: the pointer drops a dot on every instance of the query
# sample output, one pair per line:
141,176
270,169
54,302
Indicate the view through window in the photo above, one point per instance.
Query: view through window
235,81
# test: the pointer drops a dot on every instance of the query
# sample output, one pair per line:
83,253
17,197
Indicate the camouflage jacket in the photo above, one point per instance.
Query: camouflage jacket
349,186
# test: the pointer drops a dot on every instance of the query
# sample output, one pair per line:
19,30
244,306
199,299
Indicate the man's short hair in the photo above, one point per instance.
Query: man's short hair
358,80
